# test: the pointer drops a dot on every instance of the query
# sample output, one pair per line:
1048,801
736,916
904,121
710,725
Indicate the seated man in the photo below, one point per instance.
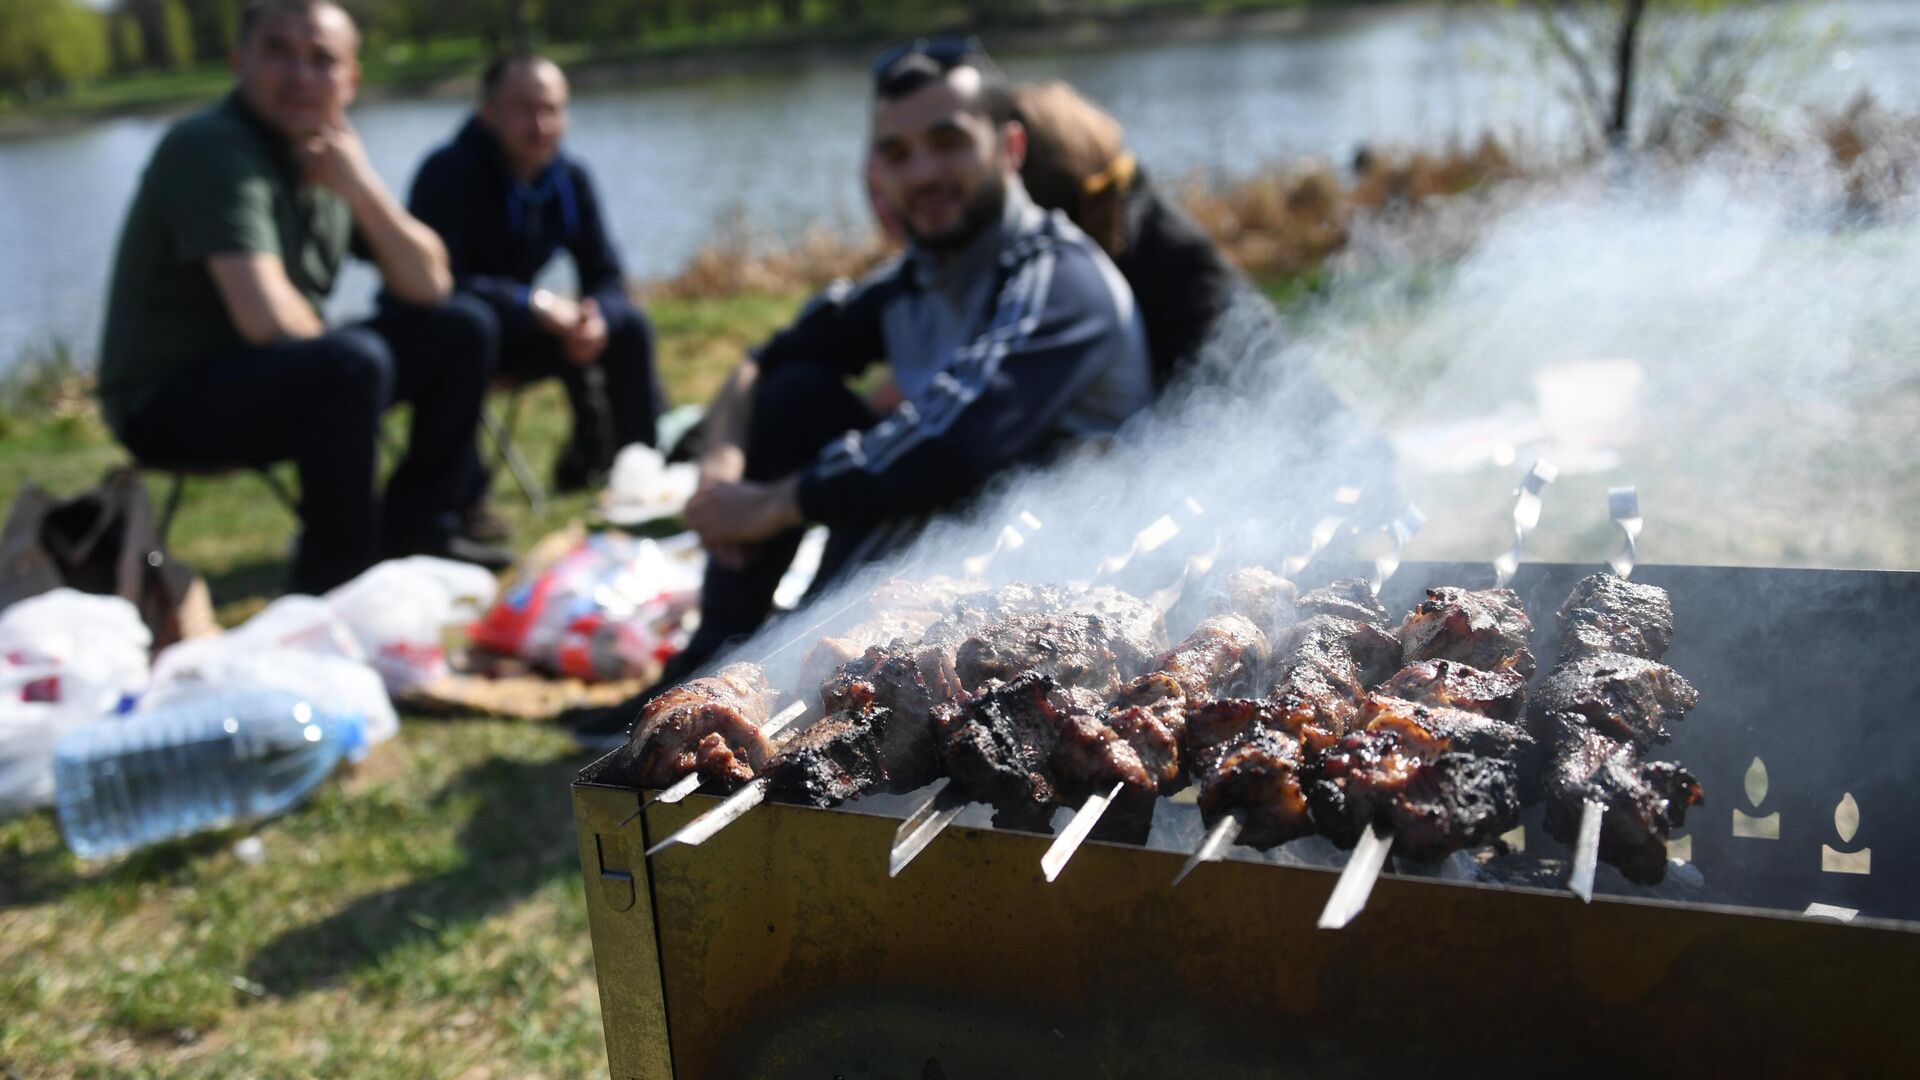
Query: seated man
1004,327
215,351
505,198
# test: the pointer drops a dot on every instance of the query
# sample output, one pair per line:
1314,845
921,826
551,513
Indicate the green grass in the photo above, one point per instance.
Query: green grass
421,916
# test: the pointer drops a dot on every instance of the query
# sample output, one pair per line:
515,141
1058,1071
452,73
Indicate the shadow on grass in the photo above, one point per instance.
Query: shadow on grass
519,840
261,579
33,877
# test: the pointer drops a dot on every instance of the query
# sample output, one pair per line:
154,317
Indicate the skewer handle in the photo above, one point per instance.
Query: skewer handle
927,821
1356,881
1075,834
703,828
1623,505
1586,851
1219,839
1526,515
1399,531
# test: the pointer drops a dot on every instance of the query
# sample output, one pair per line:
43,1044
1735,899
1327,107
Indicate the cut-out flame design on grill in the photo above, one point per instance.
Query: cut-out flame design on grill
1750,826
1846,824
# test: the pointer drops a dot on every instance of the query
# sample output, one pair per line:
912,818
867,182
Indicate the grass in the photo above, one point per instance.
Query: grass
422,916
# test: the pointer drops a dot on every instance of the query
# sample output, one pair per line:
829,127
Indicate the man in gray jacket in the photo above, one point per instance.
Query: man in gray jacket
1005,329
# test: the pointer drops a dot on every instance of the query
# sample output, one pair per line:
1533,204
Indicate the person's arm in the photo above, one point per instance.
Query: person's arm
447,197
261,300
1056,329
411,258
596,261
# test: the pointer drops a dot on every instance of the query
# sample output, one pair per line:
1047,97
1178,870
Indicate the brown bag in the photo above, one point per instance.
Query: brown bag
103,541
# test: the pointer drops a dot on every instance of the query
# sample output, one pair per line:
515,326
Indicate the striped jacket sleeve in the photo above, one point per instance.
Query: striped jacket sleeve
1053,330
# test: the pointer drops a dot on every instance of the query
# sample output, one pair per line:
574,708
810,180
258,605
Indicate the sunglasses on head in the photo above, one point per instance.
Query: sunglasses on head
947,51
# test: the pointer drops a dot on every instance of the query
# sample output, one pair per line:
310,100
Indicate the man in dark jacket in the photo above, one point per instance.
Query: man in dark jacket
506,199
1003,326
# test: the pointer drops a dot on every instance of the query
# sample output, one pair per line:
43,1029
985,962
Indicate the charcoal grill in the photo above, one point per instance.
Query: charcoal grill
782,948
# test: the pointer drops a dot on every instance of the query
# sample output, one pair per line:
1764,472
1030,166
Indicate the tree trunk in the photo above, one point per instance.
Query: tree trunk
1628,46
150,16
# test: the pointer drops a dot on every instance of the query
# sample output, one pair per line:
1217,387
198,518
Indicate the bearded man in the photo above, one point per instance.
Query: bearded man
1006,330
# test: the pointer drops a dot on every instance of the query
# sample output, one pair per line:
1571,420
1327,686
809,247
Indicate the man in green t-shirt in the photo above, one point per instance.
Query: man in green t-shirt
216,351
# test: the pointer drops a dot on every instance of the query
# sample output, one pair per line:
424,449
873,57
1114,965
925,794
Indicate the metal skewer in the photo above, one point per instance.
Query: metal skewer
927,821
1400,531
1356,881
1214,847
1526,515
1075,834
1323,531
701,829
1623,505
690,783
944,803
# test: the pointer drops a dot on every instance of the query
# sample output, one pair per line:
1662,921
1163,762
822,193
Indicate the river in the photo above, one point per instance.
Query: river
775,153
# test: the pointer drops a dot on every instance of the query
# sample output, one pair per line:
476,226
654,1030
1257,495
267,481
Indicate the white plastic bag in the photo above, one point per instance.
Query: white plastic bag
642,487
334,684
28,732
307,623
400,611
75,636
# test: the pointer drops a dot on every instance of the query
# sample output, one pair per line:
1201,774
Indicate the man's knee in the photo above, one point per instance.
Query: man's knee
356,360
459,337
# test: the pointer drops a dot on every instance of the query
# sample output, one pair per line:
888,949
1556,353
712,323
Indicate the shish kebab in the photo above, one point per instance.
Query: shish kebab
860,745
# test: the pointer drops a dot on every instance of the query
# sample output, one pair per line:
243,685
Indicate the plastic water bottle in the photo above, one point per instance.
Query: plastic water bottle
200,763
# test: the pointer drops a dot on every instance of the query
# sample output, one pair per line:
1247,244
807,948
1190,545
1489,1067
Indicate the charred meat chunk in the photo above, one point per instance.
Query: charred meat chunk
998,746
1326,653
710,725
1482,628
1348,598
1261,776
1263,596
1432,730
973,612
1075,649
833,760
1500,695
1150,713
1433,806
1643,800
1623,697
1609,614
908,684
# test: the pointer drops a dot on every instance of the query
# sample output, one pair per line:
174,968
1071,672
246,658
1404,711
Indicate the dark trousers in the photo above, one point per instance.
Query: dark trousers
615,400
797,410
318,402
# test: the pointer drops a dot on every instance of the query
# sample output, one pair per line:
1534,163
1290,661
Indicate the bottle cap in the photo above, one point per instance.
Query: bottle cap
351,730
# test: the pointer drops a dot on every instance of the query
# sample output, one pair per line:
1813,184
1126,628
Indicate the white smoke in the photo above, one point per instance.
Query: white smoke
1734,339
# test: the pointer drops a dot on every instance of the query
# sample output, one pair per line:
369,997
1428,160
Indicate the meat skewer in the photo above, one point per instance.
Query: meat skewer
690,783
1253,759
1430,778
1220,656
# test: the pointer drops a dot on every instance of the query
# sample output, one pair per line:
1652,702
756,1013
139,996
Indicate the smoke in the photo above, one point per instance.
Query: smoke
1736,338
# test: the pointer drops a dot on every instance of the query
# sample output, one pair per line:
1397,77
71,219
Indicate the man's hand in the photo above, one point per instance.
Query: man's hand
588,338
556,314
335,159
744,512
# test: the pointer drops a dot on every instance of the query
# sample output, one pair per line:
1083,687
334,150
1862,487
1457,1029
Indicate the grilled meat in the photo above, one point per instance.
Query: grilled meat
1432,730
1329,655
1483,628
1644,801
1348,598
907,684
1262,777
833,760
1623,697
1432,805
1262,596
710,725
1075,649
1150,713
1500,695
1609,614
973,612
998,746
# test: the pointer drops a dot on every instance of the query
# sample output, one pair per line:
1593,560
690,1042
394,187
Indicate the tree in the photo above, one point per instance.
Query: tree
1658,68
47,46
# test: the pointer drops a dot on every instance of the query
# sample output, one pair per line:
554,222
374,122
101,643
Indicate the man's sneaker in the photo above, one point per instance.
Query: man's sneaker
460,549
485,525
